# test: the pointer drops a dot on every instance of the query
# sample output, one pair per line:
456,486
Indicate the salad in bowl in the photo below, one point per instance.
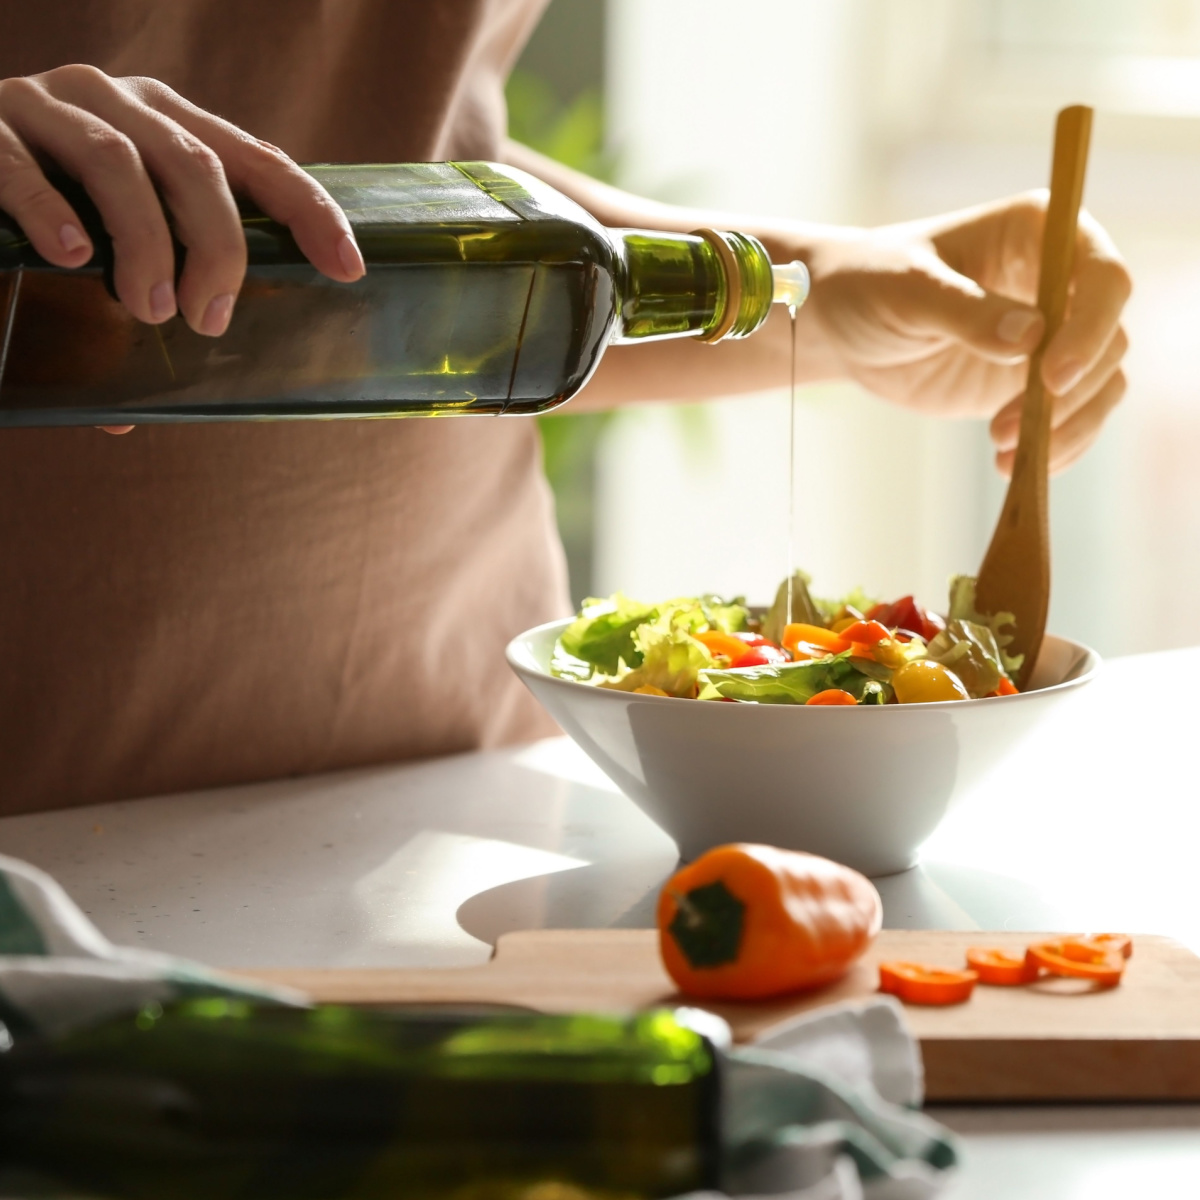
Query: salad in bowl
851,651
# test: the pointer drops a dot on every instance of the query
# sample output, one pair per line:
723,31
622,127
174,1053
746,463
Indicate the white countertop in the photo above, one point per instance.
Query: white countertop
1093,823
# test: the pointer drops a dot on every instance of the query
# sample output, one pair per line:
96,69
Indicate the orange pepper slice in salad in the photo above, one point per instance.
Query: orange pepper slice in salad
917,983
800,635
724,644
866,633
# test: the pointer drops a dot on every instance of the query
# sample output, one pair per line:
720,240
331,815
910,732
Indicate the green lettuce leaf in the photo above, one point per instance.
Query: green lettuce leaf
605,639
670,659
962,608
729,616
803,608
970,651
857,599
602,634
792,683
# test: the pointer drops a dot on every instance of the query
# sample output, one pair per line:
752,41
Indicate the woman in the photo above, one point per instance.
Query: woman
200,605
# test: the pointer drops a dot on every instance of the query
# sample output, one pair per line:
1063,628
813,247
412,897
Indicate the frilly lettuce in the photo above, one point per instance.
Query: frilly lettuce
970,651
671,660
621,643
962,608
602,634
857,599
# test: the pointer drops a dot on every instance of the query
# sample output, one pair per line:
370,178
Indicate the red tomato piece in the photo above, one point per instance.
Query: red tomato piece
764,656
908,615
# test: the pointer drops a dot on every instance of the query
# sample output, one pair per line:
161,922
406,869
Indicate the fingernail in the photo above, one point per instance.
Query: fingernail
162,300
1016,326
217,314
72,238
1064,375
350,257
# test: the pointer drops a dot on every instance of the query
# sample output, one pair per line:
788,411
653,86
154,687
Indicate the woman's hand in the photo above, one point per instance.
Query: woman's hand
939,316
125,138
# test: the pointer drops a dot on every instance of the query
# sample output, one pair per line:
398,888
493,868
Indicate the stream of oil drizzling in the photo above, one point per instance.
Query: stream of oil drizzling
791,499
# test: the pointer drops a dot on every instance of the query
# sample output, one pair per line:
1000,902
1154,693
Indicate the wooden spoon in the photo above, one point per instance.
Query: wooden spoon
1015,575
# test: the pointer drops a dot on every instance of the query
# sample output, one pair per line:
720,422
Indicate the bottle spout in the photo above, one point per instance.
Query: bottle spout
791,284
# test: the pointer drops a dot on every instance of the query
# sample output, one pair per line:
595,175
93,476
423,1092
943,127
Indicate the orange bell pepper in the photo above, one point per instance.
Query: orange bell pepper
999,968
866,633
744,922
831,696
917,983
1078,959
1005,687
724,644
813,635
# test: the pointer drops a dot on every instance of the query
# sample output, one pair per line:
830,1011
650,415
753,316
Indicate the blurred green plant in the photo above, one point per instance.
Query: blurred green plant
571,133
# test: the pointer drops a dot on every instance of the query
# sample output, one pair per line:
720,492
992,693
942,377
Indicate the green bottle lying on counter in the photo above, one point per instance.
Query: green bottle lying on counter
219,1098
486,292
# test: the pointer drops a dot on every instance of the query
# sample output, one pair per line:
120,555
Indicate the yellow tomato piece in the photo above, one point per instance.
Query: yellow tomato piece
927,682
648,689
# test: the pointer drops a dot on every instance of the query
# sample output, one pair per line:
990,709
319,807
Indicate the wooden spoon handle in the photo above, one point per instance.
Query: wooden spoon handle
1015,575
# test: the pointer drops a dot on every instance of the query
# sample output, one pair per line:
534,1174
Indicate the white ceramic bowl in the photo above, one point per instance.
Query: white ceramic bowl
864,787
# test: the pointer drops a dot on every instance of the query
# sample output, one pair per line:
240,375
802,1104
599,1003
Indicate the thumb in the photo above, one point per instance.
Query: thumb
996,327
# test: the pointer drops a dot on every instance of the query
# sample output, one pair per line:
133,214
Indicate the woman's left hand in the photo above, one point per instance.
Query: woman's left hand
939,316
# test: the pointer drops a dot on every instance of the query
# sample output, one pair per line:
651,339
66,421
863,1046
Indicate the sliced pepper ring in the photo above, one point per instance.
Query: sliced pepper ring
1078,959
1116,943
918,983
999,968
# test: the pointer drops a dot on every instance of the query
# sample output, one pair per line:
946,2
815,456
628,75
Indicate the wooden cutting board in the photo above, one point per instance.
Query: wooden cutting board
1056,1040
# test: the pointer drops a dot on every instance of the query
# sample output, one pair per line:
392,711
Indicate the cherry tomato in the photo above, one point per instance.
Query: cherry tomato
743,649
927,682
908,615
764,656
723,644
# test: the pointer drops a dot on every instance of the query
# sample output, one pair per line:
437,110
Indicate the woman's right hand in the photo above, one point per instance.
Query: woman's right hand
125,138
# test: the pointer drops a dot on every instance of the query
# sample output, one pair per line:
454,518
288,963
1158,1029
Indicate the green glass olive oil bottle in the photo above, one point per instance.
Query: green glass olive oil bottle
486,292
222,1098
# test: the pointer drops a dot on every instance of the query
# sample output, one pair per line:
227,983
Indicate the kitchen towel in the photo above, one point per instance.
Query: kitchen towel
822,1109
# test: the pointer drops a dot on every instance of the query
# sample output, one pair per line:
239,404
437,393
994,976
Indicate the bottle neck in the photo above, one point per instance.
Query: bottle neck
711,285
